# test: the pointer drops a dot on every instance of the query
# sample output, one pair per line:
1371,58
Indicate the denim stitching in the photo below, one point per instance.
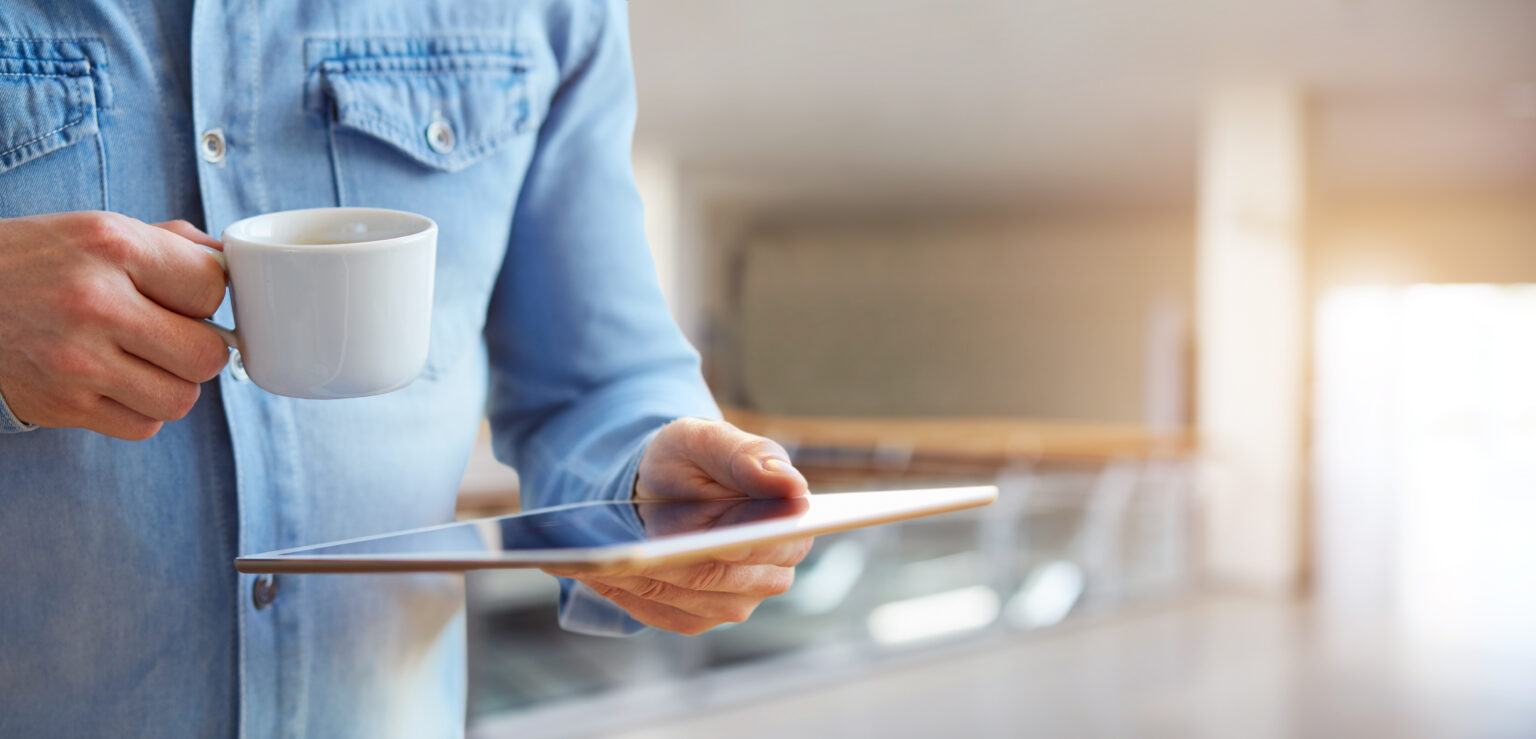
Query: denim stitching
258,173
328,50
330,135
404,64
88,44
420,72
45,76
25,144
50,39
106,176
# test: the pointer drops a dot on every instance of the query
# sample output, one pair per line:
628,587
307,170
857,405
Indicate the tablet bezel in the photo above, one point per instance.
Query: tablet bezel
661,551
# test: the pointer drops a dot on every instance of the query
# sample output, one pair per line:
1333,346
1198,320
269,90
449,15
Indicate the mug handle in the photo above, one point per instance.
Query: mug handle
230,336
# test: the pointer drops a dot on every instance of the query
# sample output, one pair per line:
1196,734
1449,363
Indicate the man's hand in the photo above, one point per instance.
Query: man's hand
98,321
696,459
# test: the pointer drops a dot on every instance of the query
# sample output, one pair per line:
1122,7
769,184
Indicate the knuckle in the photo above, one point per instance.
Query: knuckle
652,590
138,430
800,551
757,445
707,576
210,354
210,291
694,431
780,584
107,235
88,298
182,399
603,589
738,613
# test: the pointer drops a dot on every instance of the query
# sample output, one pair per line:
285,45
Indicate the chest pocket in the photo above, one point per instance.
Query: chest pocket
51,156
440,126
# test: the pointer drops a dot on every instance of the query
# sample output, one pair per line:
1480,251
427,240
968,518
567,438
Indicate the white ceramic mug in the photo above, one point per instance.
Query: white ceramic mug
331,302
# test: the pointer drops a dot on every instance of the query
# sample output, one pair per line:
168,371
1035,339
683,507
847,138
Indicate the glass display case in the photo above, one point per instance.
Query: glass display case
1059,543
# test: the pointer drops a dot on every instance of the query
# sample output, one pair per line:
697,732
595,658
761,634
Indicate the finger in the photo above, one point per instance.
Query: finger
176,272
718,576
192,233
780,554
705,604
750,464
651,613
148,390
183,346
110,418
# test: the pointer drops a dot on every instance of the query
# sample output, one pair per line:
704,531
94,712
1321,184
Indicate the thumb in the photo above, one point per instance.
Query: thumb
754,466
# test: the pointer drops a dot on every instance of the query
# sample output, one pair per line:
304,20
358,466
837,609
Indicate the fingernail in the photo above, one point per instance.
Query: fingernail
782,467
778,466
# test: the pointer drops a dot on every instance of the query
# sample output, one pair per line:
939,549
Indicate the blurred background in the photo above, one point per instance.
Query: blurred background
1236,302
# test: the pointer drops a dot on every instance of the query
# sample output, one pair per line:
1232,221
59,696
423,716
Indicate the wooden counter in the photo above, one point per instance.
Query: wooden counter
987,441
864,450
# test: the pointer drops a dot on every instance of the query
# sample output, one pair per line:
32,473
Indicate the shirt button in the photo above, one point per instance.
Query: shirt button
264,591
237,367
440,137
211,145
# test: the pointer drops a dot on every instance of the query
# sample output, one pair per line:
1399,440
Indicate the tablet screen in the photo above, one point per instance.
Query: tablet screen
610,532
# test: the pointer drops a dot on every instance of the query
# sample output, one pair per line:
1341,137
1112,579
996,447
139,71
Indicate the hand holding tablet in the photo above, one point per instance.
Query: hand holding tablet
718,521
680,565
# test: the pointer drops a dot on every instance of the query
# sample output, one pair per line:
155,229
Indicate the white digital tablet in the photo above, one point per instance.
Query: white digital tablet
593,536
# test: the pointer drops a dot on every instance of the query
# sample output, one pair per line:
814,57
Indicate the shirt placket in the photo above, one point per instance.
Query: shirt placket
227,51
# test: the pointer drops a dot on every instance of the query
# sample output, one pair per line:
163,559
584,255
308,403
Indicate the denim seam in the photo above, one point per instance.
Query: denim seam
322,50
25,144
89,45
51,39
101,162
258,173
336,177
342,48
594,36
448,72
466,60
44,76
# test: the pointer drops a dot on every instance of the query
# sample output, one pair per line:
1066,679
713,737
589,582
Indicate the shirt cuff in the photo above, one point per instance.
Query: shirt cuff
9,423
585,612
582,610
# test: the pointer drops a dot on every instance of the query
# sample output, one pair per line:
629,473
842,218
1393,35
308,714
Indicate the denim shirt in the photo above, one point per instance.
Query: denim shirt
122,614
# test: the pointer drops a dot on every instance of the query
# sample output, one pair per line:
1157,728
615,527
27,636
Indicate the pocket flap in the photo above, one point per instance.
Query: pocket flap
45,105
445,110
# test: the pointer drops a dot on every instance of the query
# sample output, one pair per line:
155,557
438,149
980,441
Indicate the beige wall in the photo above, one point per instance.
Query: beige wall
1472,237
1042,317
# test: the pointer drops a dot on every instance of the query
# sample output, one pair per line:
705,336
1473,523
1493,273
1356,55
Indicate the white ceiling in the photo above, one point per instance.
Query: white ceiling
1077,100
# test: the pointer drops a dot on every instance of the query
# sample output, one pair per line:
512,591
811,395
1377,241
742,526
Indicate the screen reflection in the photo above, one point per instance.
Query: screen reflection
582,526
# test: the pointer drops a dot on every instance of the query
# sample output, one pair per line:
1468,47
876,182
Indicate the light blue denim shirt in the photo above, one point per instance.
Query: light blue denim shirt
122,614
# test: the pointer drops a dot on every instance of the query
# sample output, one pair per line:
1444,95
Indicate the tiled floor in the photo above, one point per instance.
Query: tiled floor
1211,667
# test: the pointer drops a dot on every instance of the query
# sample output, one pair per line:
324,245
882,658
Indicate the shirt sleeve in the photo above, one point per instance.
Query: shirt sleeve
9,423
586,362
